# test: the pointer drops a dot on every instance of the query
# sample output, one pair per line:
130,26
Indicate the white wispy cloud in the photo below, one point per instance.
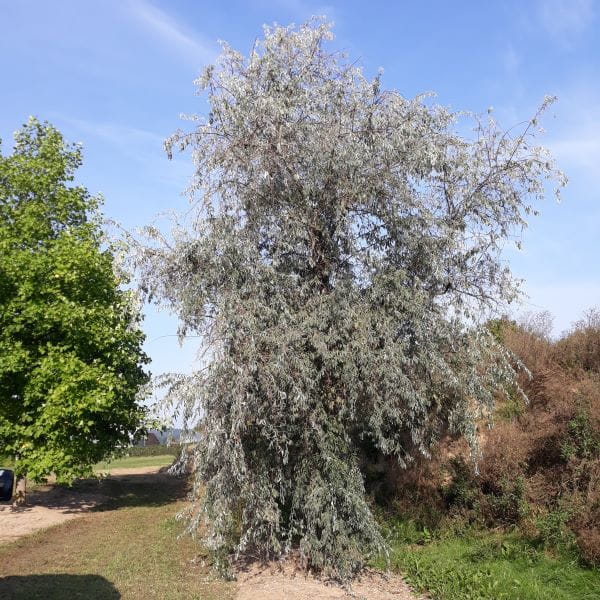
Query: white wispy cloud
511,60
121,136
575,138
565,18
140,146
176,35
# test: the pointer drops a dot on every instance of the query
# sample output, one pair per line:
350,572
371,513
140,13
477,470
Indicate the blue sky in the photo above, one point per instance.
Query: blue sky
116,75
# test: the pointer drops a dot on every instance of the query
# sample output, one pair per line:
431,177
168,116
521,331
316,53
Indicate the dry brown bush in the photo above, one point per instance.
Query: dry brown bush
579,348
588,541
544,454
554,444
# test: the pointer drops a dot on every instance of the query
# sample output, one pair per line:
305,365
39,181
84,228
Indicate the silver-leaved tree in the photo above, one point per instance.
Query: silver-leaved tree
342,244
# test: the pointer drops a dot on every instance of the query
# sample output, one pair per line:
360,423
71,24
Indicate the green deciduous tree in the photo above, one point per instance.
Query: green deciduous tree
70,344
344,241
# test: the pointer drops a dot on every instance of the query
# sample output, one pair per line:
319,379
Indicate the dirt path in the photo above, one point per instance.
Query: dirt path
50,505
277,584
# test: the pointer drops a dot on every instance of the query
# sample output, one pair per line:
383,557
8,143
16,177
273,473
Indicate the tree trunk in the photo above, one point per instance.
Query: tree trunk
20,489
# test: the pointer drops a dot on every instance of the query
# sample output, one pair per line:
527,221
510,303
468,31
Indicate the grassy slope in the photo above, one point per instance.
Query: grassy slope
127,550
490,566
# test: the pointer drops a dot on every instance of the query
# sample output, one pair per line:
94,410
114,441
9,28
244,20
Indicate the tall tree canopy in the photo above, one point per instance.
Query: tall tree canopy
343,242
71,361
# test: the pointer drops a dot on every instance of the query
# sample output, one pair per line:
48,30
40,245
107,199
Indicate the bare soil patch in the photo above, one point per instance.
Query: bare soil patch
276,582
133,471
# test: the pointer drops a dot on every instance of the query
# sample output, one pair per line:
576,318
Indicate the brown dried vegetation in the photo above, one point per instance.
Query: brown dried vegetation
540,464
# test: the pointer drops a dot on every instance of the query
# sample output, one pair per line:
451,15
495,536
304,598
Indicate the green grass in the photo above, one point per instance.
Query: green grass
128,549
487,566
130,462
119,463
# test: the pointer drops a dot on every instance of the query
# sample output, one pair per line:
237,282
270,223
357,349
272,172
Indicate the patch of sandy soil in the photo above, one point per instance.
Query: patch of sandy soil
50,505
134,471
279,583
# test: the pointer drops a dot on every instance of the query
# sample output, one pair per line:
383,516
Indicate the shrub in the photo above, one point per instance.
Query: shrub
461,491
505,502
554,531
588,543
582,440
579,348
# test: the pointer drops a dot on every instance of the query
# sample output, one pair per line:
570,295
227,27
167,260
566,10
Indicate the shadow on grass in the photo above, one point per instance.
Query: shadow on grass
57,587
154,489
108,493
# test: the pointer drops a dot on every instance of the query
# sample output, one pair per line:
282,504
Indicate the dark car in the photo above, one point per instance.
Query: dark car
7,484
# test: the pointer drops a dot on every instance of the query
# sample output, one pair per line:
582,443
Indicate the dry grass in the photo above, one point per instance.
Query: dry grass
127,549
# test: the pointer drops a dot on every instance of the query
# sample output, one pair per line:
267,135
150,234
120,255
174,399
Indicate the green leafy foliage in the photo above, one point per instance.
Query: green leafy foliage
70,344
553,530
505,501
342,241
461,490
582,440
